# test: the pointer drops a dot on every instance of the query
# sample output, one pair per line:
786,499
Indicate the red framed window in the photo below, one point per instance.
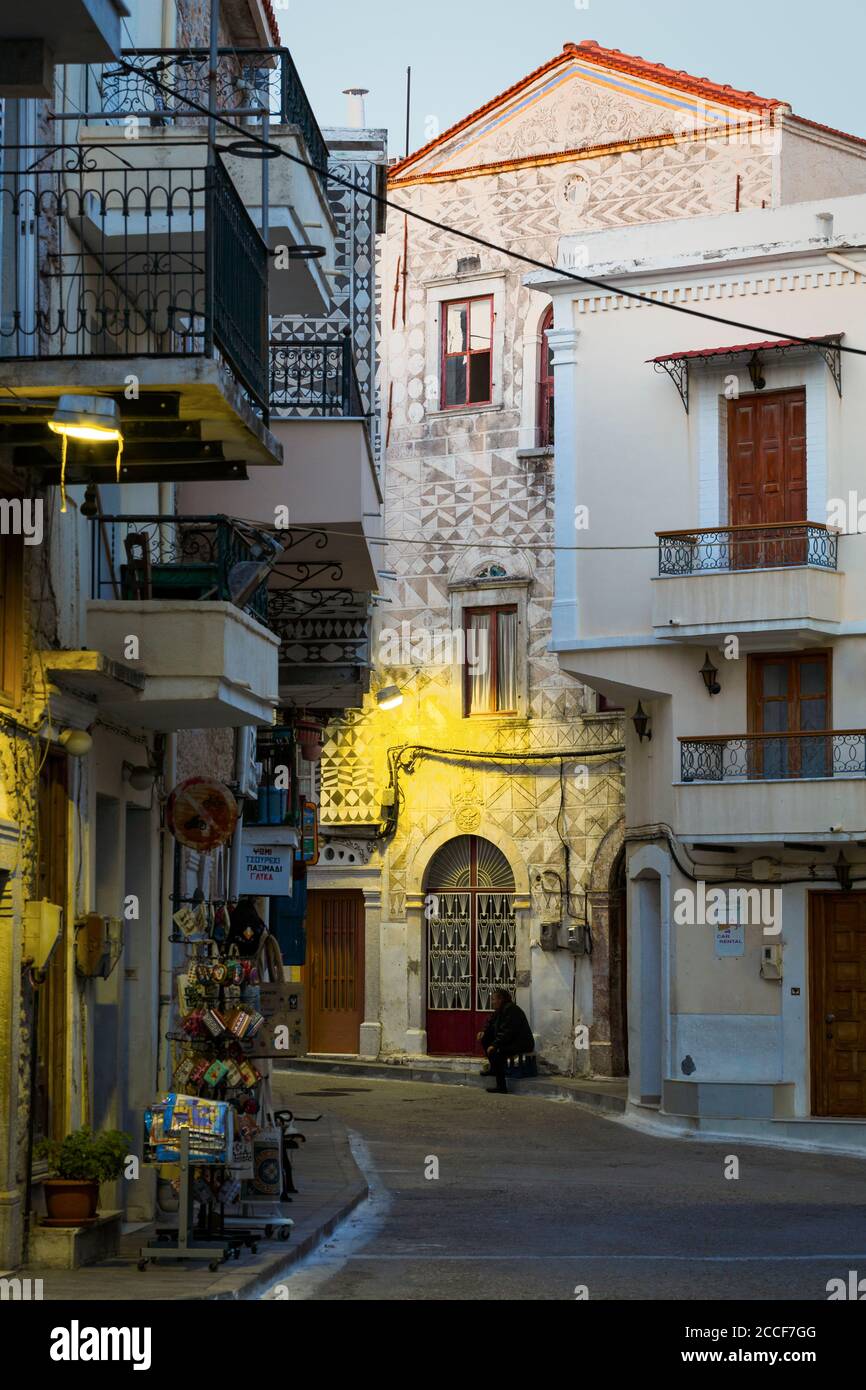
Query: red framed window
545,384
466,373
491,660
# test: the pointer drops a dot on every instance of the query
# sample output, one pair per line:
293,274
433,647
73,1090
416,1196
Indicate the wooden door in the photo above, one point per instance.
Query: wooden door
335,969
767,477
837,930
790,694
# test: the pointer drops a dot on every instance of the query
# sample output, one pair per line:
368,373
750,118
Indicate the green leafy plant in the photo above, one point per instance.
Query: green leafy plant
86,1157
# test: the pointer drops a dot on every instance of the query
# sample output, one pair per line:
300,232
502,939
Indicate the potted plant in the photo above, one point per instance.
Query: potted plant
81,1162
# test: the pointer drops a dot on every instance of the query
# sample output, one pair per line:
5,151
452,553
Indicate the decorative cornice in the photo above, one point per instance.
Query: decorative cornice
537,161
714,290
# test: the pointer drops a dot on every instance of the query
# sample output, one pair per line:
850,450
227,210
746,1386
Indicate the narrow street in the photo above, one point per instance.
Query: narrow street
537,1197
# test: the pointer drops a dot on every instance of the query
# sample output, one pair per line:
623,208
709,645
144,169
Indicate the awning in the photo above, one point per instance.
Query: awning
677,364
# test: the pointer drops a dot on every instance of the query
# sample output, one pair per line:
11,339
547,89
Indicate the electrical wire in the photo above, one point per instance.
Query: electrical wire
383,201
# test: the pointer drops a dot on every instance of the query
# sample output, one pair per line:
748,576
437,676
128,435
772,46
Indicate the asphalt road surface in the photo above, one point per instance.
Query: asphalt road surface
537,1199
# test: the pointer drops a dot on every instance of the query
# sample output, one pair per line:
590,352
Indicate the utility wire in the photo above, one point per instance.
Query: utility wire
273,150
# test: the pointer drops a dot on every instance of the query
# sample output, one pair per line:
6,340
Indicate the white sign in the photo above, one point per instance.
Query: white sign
731,939
266,870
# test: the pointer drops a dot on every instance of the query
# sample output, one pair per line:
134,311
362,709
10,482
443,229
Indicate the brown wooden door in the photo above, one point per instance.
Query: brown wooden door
767,477
335,943
790,694
838,1003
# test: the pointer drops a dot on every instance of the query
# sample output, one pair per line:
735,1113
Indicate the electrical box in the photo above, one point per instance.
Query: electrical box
98,944
771,962
578,937
549,936
42,923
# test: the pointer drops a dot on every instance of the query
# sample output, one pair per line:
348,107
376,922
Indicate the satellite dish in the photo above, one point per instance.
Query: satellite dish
201,813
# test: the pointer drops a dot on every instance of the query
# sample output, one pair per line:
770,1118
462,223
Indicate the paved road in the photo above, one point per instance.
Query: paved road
535,1198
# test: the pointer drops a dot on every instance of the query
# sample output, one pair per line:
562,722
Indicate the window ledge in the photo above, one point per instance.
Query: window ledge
457,412
545,452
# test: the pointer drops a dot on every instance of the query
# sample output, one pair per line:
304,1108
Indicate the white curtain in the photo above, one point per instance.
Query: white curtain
506,682
481,669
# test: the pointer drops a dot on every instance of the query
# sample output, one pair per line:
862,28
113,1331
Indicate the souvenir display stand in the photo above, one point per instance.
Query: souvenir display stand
231,1000
175,1132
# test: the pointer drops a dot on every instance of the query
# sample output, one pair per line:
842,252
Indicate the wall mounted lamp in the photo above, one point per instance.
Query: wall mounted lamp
641,721
709,674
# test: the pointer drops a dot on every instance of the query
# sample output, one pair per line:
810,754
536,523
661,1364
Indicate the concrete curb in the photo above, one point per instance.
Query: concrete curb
283,1260
547,1087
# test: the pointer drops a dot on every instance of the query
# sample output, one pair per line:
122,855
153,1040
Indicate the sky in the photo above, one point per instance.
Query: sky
464,52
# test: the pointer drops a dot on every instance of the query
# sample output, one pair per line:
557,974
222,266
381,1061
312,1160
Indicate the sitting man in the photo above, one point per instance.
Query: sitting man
507,1034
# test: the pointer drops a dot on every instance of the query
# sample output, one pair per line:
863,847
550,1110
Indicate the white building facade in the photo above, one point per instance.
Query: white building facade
709,480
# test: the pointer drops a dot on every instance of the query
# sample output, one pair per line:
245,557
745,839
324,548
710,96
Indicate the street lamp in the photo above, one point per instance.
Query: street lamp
90,419
641,721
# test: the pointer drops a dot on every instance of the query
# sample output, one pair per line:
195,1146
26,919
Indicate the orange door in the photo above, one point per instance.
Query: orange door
838,988
335,969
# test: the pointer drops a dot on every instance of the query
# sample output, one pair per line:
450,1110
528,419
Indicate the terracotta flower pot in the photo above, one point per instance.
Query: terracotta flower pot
309,736
71,1200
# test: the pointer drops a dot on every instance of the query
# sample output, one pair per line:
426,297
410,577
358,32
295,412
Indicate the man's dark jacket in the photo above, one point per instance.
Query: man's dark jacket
509,1032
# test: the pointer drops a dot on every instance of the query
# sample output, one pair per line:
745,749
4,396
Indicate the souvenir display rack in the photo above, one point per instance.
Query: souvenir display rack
171,1135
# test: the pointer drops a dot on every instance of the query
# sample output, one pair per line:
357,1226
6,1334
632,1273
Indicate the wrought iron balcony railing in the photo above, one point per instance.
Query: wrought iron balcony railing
251,82
156,262
765,757
728,548
187,557
315,378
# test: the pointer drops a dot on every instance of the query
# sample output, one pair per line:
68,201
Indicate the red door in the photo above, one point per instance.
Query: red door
471,941
767,478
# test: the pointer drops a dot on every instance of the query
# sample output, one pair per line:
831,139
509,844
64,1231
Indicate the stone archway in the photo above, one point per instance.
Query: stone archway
608,1034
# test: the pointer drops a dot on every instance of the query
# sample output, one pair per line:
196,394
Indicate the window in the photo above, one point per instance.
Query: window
11,617
467,352
790,695
545,384
491,660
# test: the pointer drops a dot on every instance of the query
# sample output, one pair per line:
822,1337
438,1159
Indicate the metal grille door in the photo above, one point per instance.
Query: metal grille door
471,941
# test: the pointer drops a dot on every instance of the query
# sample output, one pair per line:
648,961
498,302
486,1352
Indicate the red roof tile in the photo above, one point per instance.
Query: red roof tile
591,51
272,22
746,347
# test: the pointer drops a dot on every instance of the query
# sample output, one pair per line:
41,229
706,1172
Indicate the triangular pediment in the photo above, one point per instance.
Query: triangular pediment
586,97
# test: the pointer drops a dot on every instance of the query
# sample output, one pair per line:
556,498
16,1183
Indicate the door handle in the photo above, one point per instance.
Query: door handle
830,1020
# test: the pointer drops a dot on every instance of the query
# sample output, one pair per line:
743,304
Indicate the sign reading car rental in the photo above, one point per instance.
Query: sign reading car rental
266,870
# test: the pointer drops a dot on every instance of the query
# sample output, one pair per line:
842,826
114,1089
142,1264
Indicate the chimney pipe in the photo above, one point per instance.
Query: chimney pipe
356,117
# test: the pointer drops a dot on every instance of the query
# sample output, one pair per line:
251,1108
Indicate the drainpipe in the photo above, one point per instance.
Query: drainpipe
169,32
212,96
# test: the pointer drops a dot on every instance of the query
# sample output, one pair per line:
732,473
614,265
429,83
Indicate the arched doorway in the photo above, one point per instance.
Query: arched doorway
471,940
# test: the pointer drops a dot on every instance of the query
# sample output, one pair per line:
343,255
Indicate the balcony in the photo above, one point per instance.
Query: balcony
325,654
252,83
185,597
319,418
810,783
152,289
164,92
316,380
713,583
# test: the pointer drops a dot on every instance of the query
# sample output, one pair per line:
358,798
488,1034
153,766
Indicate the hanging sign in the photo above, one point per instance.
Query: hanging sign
201,813
266,870
308,850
